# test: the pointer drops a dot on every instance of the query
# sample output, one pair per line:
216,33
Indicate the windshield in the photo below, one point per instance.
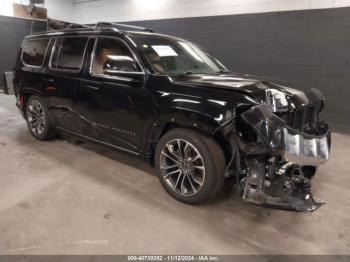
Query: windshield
174,56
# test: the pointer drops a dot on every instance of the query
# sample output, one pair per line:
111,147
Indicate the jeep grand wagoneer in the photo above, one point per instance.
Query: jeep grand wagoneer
166,100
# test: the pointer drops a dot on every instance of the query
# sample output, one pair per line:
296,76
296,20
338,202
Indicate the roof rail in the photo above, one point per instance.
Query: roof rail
73,26
120,26
116,26
67,27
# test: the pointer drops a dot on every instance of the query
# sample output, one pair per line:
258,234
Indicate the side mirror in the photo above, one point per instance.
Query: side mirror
119,64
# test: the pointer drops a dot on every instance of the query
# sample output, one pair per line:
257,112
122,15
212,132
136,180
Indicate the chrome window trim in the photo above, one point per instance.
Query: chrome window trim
128,79
45,54
82,60
131,41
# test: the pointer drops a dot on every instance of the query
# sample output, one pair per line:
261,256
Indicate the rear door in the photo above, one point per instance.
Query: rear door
62,79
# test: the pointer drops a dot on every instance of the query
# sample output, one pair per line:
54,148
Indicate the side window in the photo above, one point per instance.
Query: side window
112,56
33,51
68,53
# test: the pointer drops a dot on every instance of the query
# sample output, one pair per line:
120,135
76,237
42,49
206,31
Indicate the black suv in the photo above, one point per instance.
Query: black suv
166,100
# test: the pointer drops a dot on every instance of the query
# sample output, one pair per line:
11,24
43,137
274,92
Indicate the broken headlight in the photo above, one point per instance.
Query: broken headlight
276,100
276,138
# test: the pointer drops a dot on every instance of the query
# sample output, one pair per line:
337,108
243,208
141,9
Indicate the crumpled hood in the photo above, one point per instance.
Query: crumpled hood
255,88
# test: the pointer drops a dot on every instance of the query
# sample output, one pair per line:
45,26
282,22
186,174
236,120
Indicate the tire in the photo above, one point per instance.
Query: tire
189,178
41,129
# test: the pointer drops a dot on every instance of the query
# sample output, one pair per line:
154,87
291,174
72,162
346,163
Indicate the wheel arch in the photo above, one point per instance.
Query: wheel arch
200,123
26,93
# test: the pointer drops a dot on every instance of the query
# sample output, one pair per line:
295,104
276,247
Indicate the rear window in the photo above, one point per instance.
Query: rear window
33,51
68,53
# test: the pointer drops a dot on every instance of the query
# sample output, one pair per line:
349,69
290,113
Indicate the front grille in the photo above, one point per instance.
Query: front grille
298,119
303,118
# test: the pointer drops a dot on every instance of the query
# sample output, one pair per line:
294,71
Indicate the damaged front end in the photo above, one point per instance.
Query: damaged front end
277,169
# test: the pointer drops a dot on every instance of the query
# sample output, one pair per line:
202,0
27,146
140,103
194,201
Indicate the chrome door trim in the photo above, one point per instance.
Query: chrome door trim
99,141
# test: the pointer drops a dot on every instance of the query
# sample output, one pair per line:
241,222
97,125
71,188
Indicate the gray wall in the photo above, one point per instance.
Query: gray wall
89,12
305,49
12,32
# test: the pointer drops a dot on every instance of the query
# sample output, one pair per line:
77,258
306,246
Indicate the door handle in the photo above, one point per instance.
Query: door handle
64,109
49,80
49,84
93,87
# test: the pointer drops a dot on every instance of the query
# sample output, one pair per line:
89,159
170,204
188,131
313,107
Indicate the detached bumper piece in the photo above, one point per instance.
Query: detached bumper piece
304,149
283,183
290,190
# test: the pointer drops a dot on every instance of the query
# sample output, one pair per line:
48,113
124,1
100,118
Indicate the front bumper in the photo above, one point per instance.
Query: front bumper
282,183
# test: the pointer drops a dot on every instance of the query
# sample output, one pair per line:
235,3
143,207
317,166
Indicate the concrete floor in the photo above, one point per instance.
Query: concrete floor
61,198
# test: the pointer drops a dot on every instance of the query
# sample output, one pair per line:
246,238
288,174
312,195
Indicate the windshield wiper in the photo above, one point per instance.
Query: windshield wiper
194,73
222,71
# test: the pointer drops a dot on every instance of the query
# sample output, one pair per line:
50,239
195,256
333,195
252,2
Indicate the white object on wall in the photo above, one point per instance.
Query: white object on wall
57,9
61,10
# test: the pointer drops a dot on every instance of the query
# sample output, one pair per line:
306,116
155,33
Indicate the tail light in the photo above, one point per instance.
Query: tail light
21,101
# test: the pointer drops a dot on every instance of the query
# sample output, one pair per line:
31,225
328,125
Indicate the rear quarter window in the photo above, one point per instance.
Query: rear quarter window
33,51
68,53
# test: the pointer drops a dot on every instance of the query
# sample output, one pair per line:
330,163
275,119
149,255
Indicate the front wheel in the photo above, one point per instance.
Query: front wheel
190,165
38,119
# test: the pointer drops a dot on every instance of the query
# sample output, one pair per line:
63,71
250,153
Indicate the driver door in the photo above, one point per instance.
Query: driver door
113,95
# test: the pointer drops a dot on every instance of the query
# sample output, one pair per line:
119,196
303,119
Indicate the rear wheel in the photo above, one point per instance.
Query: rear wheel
190,165
38,119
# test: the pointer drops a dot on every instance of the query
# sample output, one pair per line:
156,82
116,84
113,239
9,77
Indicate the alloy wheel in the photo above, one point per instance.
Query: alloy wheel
36,117
182,167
